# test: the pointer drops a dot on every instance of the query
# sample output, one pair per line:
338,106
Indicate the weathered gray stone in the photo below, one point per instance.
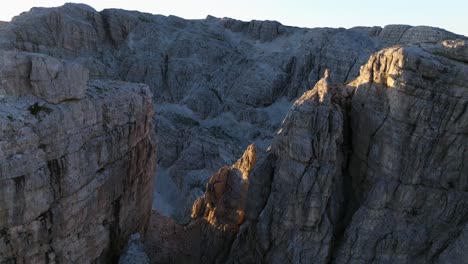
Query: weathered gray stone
409,124
402,198
48,78
72,174
298,218
56,81
220,84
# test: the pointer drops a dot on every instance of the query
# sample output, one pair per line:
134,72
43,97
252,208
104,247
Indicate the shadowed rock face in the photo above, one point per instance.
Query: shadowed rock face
395,193
371,171
77,161
220,84
296,219
409,169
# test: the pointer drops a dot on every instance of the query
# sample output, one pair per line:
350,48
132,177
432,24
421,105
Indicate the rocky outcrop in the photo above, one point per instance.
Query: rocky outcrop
409,124
64,32
371,171
77,161
219,213
45,77
378,178
220,84
264,31
223,204
216,218
297,219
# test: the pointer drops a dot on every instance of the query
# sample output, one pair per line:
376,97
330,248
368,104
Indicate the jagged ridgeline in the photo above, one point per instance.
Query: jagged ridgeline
368,166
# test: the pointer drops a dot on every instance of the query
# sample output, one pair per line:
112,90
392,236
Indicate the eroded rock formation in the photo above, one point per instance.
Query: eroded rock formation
77,161
298,200
401,198
219,83
220,211
217,216
409,163
223,204
373,170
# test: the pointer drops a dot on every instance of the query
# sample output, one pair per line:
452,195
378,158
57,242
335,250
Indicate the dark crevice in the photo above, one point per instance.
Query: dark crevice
114,232
401,36
107,29
350,204
165,76
57,170
350,69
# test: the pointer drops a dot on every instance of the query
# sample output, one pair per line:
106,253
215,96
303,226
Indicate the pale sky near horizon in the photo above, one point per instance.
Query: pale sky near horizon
450,15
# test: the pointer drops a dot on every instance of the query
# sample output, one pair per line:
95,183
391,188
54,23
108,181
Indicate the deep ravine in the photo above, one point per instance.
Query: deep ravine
369,171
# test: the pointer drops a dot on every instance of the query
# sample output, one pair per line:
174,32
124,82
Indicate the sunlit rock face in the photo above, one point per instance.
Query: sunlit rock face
216,218
219,213
77,161
297,199
382,178
219,84
409,169
223,204
373,170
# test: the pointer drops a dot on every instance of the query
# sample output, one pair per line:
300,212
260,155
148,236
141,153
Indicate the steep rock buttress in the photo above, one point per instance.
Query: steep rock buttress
390,186
219,83
77,161
296,198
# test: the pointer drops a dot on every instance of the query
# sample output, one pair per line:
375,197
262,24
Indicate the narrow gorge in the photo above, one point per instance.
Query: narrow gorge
153,139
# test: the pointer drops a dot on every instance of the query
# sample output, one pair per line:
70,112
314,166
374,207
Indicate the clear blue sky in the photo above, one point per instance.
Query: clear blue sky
449,14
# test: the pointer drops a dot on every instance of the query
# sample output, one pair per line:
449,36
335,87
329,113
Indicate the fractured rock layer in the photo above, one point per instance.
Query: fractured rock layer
77,162
409,163
219,83
220,211
295,220
401,198
217,216
223,203
371,171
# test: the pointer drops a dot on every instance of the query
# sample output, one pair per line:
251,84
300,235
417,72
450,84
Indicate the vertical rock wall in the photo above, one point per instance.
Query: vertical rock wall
402,196
77,161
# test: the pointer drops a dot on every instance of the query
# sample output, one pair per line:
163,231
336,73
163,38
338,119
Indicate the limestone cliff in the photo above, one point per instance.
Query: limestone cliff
297,198
77,161
409,163
372,170
219,83
381,178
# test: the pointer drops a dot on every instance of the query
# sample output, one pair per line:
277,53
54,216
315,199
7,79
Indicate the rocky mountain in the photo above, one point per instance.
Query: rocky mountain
76,158
218,84
369,166
369,172
374,172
